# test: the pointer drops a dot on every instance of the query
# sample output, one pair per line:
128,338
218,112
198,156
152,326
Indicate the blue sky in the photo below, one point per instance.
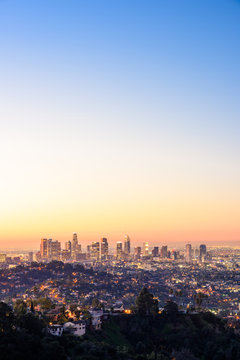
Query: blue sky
104,88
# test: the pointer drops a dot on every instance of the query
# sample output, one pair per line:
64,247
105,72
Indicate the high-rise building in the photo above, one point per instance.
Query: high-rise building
137,252
74,246
119,250
68,246
196,253
49,249
38,256
174,255
66,255
88,251
127,245
188,253
30,256
55,250
164,251
3,258
203,252
79,249
145,248
104,249
155,251
44,248
95,251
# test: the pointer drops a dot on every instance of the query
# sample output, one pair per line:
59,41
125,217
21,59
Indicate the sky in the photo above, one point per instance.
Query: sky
119,117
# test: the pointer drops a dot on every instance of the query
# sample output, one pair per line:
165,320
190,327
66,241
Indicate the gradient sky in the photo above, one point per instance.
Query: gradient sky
119,117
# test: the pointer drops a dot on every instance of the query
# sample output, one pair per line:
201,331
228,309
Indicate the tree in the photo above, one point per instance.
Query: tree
170,291
31,323
145,303
73,307
198,298
45,303
96,303
171,308
32,308
7,319
20,307
183,354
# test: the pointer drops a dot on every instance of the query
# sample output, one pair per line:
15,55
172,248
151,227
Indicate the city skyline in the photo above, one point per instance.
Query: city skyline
67,243
120,118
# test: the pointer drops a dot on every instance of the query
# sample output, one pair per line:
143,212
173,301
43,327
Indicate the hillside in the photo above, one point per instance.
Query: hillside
165,336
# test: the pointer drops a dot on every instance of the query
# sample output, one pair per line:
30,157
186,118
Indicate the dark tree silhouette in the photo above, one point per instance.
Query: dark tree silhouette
7,319
171,308
146,304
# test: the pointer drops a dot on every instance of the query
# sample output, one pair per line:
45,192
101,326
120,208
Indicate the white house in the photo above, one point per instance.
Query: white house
96,318
77,328
55,330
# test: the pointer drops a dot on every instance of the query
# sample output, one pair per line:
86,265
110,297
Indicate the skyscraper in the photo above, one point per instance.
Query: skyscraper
74,246
68,246
89,247
119,250
145,248
46,249
155,251
104,249
95,251
30,256
43,248
137,252
203,252
66,255
55,250
49,249
196,253
127,245
3,258
188,253
164,251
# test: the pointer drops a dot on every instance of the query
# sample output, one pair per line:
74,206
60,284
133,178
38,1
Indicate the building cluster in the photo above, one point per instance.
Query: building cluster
99,251
51,250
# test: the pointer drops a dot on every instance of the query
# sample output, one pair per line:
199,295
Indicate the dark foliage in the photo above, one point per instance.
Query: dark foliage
139,336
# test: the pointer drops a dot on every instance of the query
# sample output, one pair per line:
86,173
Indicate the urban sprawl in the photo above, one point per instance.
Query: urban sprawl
73,288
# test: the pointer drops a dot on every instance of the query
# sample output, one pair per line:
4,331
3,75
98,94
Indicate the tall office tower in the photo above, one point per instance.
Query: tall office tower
137,252
66,255
30,256
196,253
119,250
95,251
49,249
203,252
88,251
3,258
79,249
127,245
164,251
145,248
68,246
44,248
38,256
155,251
74,246
188,253
56,250
104,249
